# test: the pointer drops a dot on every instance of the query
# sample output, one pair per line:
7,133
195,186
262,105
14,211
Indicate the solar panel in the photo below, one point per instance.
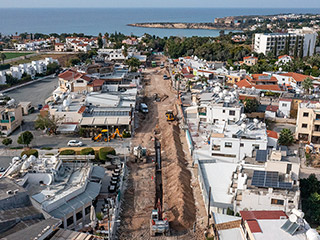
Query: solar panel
251,126
286,225
292,228
268,179
261,155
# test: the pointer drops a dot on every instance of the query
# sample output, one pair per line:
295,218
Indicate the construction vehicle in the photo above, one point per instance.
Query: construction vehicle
170,116
105,136
158,225
140,153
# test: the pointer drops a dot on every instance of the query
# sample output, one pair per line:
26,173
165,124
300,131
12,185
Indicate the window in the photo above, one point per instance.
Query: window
70,221
79,215
284,105
223,111
241,144
289,167
304,125
256,146
277,201
232,113
306,114
317,116
228,145
87,210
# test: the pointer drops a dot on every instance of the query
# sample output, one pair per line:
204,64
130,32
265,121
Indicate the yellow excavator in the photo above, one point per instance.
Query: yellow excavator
104,136
170,116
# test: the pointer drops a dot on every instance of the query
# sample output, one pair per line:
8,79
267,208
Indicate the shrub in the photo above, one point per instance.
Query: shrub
99,216
126,134
14,148
46,148
103,152
87,151
7,141
67,152
30,152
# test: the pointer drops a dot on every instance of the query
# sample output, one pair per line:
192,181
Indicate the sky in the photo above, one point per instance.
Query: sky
160,3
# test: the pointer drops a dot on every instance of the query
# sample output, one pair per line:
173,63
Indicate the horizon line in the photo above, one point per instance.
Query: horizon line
160,7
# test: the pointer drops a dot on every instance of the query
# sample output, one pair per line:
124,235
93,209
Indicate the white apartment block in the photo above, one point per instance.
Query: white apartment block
221,107
265,42
234,142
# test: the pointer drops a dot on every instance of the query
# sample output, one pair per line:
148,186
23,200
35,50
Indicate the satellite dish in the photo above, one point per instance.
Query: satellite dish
293,218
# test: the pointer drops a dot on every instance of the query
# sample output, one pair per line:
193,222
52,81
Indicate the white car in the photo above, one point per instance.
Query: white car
74,143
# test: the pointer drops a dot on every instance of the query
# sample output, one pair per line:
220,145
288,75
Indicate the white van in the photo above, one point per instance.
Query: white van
144,108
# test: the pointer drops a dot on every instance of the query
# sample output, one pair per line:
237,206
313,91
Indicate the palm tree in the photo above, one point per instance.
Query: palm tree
3,57
286,137
307,84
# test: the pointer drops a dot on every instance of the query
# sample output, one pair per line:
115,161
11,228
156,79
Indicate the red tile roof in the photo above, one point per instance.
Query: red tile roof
272,134
285,100
282,56
272,108
296,76
244,83
97,83
247,215
250,57
70,75
254,226
268,87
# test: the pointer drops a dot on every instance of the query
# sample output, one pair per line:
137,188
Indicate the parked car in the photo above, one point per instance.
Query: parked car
74,143
165,77
144,108
40,106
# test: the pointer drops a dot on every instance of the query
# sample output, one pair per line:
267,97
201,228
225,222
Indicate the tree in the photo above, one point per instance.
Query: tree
287,46
301,49
7,141
275,50
3,57
25,138
295,51
50,123
52,68
11,80
308,53
307,85
100,42
250,105
133,63
286,137
74,61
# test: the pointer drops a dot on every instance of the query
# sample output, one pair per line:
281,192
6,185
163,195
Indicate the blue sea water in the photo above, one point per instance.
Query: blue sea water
92,21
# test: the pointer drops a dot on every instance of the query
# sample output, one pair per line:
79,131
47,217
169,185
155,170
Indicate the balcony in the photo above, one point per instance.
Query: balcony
7,120
216,147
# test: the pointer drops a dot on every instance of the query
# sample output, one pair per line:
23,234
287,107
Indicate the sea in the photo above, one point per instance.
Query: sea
92,21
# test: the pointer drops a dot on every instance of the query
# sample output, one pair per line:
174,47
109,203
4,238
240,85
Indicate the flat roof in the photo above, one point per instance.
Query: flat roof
6,185
218,175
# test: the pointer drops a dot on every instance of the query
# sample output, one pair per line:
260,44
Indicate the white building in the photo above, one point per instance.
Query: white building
3,78
285,107
234,142
284,59
219,107
265,42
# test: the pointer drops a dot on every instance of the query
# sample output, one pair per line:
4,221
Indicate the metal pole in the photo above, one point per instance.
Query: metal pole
109,237
209,206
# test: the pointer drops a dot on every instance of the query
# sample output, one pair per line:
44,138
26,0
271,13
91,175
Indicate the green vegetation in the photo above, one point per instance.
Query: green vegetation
30,152
46,148
7,141
103,152
250,105
68,152
15,148
307,85
286,137
133,63
310,196
126,134
52,68
87,151
99,216
25,138
10,55
50,123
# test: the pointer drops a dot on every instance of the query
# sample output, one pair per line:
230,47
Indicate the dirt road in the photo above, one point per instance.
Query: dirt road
178,198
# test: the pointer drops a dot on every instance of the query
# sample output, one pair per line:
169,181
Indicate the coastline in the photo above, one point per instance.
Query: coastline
177,25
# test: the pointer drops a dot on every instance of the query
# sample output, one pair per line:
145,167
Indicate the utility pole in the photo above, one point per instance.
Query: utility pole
209,196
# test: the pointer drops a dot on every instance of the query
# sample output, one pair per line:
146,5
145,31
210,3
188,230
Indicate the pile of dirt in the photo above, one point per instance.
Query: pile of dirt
179,205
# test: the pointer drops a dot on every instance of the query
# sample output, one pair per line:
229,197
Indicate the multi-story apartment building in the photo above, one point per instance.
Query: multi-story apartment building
308,123
10,117
266,42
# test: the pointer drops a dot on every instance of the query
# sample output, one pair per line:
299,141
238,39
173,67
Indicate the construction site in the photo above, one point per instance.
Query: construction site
176,199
